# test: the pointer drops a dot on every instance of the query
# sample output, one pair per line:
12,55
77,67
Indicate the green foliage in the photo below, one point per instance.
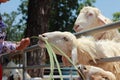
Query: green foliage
14,31
16,22
116,16
64,12
83,3
62,15
23,9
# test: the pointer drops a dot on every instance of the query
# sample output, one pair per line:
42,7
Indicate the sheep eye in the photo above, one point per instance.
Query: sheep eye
65,38
84,68
90,14
43,35
106,78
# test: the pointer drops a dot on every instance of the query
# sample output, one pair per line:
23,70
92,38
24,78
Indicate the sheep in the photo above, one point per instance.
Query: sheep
84,49
90,17
15,74
95,73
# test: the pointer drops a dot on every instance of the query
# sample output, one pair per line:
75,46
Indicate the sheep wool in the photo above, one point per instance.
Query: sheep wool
90,17
87,49
16,74
95,73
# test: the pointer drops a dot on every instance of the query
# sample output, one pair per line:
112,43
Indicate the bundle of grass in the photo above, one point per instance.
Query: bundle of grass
53,59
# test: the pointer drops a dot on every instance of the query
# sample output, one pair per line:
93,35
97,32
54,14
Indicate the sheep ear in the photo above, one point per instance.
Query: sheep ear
74,55
102,19
93,77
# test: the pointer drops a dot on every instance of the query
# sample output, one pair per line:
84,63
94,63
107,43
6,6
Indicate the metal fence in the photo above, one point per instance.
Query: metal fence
86,32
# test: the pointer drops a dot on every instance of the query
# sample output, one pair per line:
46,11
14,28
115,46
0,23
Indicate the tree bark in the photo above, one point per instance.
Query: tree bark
38,17
37,23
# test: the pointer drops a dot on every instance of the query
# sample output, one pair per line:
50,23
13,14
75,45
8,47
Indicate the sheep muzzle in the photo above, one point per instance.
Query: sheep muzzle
41,41
81,69
77,28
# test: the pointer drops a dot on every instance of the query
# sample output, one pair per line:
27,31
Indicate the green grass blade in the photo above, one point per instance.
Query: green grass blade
58,66
36,37
55,58
51,59
51,62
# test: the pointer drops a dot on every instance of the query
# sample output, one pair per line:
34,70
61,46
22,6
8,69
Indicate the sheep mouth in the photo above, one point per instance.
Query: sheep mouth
81,69
77,28
41,41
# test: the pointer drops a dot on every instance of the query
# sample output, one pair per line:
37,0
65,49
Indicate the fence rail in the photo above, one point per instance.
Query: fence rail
114,25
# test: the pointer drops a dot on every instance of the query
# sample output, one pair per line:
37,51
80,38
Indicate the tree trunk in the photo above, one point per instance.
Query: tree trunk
38,15
37,23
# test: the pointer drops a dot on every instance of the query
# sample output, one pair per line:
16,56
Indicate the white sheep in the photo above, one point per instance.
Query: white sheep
85,49
90,17
16,74
95,73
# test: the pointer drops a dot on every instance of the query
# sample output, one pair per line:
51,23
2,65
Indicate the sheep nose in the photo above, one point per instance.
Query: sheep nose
81,67
75,27
43,35
78,28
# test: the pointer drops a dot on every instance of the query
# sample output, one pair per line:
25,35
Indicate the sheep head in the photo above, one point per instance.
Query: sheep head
63,40
96,73
89,17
